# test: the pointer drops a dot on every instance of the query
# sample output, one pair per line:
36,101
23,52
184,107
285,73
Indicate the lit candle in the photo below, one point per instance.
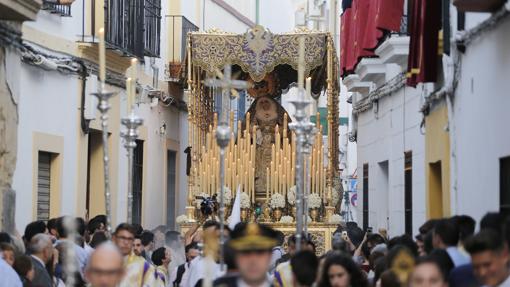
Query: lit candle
134,77
309,86
102,56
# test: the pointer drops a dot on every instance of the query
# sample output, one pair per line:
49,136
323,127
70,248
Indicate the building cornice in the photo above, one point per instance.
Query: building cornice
394,50
19,10
234,12
371,70
387,89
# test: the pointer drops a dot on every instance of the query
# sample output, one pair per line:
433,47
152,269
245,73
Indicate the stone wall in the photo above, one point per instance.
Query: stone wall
8,146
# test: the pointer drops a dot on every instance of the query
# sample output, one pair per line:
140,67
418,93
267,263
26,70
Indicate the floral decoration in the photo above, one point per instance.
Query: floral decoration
181,219
227,195
245,200
277,201
314,201
291,195
286,219
335,219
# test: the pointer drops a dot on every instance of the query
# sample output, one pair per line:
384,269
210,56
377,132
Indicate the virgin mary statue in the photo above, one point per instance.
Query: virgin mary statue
265,113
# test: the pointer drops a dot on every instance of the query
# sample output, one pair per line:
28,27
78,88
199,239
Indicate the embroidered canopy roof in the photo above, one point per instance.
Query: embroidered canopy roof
259,52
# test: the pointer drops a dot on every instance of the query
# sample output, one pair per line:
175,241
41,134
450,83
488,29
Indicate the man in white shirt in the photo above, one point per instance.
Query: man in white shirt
446,236
490,258
9,277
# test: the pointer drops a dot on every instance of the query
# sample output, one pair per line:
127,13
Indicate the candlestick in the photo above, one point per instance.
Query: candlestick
309,87
102,57
134,77
267,184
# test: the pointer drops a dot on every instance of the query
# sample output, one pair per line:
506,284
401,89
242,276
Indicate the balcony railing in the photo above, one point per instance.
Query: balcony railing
179,27
55,7
152,31
133,27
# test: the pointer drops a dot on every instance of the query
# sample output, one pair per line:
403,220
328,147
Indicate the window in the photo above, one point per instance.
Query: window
134,26
55,7
504,186
408,192
43,185
365,196
435,190
137,182
152,24
170,189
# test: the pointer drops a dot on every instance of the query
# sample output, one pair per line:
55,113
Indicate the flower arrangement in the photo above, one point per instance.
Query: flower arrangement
335,219
245,200
291,195
227,195
181,219
198,201
286,219
314,201
277,201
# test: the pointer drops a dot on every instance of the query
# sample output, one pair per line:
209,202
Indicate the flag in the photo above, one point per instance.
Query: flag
235,217
423,50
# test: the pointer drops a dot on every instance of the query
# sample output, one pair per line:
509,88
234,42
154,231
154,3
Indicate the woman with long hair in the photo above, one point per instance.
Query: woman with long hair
341,271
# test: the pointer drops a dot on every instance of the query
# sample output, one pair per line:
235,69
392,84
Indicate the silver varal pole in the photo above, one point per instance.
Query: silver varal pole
70,267
302,126
222,138
307,150
227,84
131,122
103,106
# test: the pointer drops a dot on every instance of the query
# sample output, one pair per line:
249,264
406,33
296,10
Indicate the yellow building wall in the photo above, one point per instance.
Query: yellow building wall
437,162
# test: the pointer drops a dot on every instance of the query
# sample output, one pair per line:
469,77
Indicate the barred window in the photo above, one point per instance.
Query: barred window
134,26
152,24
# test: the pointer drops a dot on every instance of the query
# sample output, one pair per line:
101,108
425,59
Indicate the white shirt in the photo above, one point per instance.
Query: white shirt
457,257
9,277
241,283
198,269
173,276
505,283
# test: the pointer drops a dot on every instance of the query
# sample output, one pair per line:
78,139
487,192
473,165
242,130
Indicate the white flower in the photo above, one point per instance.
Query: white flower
245,200
286,219
291,195
314,201
227,195
198,201
335,218
181,219
277,201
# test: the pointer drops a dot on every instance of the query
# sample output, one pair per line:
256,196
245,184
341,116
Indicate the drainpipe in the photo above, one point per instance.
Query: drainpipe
257,12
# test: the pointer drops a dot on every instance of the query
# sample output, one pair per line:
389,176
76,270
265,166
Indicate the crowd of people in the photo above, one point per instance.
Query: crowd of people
446,252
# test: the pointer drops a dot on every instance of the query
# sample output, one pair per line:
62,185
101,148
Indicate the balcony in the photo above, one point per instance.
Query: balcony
19,10
60,7
178,27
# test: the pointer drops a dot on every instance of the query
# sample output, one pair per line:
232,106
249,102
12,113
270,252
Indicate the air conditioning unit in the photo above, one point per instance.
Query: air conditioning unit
478,5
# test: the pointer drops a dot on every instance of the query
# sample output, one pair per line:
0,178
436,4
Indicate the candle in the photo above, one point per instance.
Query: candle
267,184
309,86
128,94
134,76
301,63
102,56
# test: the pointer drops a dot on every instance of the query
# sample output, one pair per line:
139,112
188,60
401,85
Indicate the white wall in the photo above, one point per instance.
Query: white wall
481,120
381,137
48,103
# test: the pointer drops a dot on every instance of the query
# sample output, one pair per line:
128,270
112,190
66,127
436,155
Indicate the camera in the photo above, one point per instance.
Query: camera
208,205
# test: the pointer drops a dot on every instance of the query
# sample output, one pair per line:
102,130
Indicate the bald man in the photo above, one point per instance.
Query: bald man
105,267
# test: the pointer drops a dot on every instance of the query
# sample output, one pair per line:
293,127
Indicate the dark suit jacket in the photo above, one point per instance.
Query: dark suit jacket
41,277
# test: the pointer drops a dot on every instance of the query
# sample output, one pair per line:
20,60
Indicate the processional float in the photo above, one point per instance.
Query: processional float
279,161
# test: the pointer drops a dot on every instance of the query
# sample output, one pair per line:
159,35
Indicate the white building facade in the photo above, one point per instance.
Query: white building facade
59,169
